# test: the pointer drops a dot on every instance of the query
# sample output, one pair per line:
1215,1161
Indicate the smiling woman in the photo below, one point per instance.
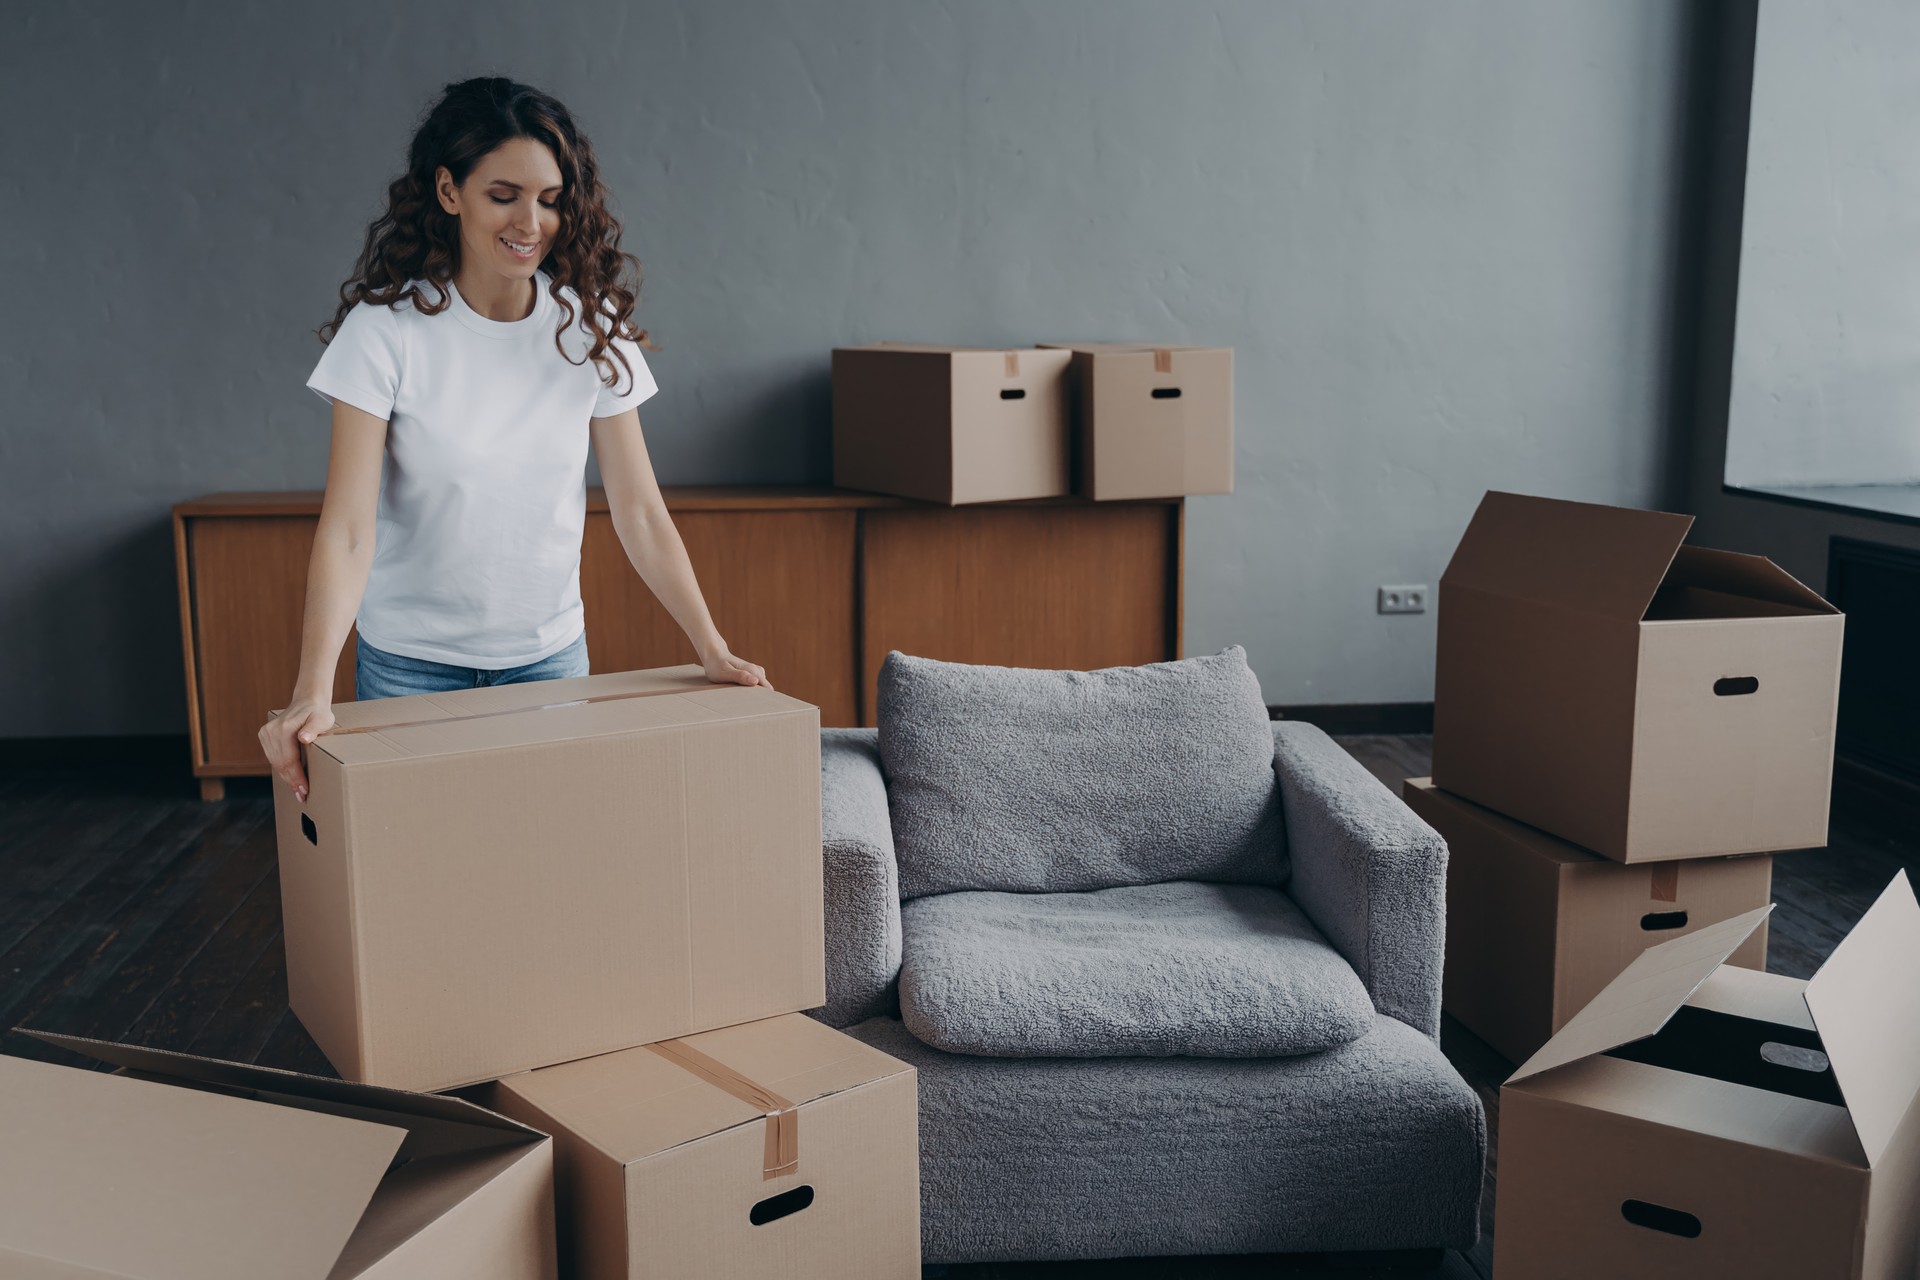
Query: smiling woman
483,342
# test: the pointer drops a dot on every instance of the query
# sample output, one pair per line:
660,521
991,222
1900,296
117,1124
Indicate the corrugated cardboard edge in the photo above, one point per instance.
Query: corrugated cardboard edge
1865,1003
1638,1002
189,1066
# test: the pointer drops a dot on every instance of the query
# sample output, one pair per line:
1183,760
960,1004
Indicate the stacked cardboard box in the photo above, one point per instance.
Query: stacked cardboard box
1624,729
972,424
597,902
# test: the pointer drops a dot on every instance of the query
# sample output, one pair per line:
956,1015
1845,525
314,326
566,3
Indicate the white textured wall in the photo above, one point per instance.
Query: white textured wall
1826,374
1439,237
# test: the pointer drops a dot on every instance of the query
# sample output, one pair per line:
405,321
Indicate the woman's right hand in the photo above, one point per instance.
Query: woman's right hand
283,736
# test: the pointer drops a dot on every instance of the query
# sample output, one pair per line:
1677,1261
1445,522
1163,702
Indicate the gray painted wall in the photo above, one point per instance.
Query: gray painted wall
1440,238
1791,83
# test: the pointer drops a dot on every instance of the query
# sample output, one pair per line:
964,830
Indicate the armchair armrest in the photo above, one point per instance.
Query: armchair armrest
1368,872
862,880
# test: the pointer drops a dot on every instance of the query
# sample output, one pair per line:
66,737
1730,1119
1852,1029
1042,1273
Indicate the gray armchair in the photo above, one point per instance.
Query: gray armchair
1374,1144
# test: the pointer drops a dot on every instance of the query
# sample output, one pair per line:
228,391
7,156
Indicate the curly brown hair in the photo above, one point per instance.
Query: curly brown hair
417,239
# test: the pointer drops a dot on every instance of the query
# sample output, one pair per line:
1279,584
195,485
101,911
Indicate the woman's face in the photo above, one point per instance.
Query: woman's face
506,204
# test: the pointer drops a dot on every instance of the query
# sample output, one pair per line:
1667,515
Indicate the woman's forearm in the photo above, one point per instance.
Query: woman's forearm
336,579
653,546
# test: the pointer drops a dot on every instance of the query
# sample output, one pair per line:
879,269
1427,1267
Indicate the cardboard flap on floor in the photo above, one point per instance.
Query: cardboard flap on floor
1638,1003
1865,1003
206,1186
1577,555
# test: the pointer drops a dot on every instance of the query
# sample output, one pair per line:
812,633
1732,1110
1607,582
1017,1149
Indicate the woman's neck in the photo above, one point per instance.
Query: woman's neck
495,296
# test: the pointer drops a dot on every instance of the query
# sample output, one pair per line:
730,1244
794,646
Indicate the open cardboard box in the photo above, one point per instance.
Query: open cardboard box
502,878
184,1168
951,424
778,1148
1698,1119
1150,421
1537,927
1642,699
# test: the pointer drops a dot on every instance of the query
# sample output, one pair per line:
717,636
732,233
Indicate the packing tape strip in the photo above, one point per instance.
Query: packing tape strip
514,711
782,1155
1666,882
1013,364
1162,360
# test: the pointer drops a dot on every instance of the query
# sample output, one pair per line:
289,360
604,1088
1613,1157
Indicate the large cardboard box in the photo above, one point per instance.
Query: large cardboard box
1536,927
778,1148
185,1168
951,424
1150,421
1639,698
1698,1119
502,878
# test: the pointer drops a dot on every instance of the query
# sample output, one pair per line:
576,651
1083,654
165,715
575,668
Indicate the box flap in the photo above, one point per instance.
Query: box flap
132,1176
339,1093
1577,555
1737,574
1638,1002
1865,1002
1122,348
546,711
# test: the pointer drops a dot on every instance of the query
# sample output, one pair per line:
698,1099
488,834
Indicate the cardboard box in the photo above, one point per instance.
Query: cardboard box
1641,699
1536,927
501,878
778,1148
950,424
1150,421
1702,1120
185,1168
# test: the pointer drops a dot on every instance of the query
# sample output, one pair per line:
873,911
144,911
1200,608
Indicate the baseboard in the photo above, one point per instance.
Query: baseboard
1362,717
1874,793
134,751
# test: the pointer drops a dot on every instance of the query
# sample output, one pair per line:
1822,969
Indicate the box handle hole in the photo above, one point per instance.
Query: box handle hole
1013,393
1734,686
1654,921
1794,1056
307,830
1166,393
780,1206
1657,1217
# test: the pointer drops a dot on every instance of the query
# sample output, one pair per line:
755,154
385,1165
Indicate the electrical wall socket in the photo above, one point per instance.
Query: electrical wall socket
1403,599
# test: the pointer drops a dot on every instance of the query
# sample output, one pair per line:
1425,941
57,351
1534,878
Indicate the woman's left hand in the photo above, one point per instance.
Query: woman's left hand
723,668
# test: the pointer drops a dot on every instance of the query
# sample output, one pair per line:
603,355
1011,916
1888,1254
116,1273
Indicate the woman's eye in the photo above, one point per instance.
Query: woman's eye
543,204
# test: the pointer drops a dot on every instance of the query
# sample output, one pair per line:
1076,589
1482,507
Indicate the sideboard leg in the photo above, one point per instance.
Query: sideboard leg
213,788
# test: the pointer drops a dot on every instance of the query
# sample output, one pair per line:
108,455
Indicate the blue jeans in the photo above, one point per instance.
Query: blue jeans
379,674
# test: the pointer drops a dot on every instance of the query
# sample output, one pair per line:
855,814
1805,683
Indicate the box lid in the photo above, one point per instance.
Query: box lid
1639,1001
1865,1003
1581,556
1124,348
133,1177
637,1103
518,715
206,1185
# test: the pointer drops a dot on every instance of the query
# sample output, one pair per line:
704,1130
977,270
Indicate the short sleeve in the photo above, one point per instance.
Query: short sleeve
627,392
362,364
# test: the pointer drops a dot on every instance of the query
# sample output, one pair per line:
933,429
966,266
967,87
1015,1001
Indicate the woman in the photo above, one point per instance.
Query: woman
482,343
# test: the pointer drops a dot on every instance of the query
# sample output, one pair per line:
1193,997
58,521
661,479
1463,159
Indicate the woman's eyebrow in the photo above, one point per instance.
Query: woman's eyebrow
502,182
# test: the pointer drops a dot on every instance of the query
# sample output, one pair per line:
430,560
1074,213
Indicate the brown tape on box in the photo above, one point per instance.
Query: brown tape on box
783,1118
1013,364
1162,361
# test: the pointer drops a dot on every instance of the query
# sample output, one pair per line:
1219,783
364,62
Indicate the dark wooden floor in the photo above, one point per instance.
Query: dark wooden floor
131,910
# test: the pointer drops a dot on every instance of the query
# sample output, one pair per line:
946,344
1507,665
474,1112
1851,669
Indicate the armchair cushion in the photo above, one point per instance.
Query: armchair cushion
1029,781
1202,970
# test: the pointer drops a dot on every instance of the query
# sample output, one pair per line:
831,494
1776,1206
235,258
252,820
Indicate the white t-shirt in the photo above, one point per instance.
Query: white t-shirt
483,498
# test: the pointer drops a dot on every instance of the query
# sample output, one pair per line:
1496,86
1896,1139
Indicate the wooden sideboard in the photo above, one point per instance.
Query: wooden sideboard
815,585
